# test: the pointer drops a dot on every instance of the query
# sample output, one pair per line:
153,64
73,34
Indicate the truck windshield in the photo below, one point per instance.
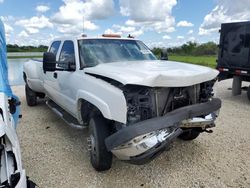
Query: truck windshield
96,51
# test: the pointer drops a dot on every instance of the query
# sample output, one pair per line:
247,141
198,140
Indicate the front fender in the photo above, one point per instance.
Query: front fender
108,99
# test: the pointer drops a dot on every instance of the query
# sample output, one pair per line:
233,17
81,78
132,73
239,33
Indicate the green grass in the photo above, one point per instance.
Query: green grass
209,61
23,57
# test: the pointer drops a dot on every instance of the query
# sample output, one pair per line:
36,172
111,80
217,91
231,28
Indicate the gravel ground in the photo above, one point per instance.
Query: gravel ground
55,155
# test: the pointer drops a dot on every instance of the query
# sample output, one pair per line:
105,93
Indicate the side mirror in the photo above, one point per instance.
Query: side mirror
49,62
164,55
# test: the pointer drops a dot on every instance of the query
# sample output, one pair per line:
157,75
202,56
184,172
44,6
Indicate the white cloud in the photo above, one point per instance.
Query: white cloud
8,29
180,37
111,31
35,40
23,34
137,33
124,30
76,29
172,43
130,23
151,15
34,24
73,13
166,44
166,37
7,18
225,11
192,39
190,32
42,8
155,44
184,24
152,10
32,30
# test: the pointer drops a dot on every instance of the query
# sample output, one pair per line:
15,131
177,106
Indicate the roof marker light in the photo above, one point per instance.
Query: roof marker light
111,35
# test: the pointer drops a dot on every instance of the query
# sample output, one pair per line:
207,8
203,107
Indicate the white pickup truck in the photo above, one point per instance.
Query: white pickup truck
133,104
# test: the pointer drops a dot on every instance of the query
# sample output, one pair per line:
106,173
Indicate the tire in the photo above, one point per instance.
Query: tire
31,97
100,158
248,93
189,135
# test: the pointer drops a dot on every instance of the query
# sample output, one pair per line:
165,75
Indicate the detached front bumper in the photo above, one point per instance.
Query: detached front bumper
142,141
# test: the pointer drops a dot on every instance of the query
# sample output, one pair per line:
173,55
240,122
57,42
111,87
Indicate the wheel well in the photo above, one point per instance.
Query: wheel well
39,94
86,110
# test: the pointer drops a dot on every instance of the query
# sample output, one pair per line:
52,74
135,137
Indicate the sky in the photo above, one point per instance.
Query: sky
159,23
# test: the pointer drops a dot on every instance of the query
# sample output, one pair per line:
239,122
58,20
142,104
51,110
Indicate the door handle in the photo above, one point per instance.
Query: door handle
55,74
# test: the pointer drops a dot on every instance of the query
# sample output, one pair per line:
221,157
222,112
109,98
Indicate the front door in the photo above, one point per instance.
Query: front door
50,81
65,81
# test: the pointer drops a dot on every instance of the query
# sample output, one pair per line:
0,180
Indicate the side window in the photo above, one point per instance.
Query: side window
67,55
54,47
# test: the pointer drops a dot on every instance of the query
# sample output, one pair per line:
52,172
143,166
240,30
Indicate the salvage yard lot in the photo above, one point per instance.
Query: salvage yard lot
209,61
55,155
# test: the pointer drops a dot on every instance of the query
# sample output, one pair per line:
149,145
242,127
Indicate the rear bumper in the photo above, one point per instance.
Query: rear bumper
172,120
227,73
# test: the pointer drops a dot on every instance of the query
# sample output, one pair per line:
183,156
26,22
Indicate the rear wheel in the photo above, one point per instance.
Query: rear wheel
189,135
100,157
31,97
248,93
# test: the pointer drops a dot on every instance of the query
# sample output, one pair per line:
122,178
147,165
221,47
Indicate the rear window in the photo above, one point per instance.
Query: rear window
54,47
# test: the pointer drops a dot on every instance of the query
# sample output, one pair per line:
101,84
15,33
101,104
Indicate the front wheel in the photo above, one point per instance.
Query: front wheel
189,135
100,158
31,97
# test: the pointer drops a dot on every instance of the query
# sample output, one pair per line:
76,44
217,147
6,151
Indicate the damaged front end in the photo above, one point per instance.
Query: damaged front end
156,116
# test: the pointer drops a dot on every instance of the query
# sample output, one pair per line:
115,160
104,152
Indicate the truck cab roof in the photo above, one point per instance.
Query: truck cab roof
104,36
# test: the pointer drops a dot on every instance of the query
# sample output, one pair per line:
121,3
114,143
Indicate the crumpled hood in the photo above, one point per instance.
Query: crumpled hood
154,73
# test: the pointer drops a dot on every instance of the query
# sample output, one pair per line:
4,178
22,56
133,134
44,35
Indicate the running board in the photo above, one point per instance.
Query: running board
65,116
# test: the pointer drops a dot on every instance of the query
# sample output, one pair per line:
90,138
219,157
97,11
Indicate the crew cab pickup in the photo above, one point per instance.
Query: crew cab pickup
133,104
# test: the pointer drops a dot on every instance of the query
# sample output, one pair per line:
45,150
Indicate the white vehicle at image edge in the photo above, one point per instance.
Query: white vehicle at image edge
12,173
133,104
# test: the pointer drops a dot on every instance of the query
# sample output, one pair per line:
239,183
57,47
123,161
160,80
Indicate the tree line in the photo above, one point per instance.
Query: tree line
16,48
190,48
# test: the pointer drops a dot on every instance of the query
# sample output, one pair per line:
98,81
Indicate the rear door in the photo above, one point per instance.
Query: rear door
65,82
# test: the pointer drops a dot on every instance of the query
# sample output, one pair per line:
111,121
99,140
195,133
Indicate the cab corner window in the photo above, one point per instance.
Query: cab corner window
67,56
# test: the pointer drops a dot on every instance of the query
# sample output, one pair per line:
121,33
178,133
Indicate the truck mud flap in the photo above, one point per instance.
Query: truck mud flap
170,119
